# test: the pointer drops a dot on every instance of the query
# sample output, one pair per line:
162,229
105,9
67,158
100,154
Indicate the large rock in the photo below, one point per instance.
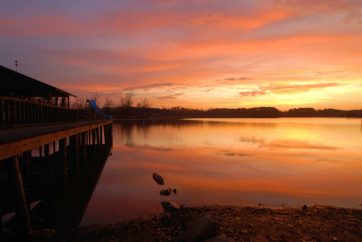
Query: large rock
158,179
220,238
170,206
166,218
200,229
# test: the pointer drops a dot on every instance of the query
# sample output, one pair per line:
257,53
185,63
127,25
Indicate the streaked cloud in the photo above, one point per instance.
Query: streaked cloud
170,96
252,93
150,86
293,88
286,89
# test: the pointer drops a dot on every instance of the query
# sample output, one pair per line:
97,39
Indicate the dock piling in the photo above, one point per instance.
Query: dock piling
22,211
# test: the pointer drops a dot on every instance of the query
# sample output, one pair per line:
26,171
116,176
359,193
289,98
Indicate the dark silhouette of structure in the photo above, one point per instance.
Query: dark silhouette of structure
17,85
49,154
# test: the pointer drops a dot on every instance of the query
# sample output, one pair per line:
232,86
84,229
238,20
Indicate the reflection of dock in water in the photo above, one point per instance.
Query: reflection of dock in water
50,182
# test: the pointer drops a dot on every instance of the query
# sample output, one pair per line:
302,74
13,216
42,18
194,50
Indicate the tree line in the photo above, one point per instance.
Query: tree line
127,108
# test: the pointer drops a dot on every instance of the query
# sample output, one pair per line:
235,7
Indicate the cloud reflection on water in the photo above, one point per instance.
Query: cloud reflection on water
293,161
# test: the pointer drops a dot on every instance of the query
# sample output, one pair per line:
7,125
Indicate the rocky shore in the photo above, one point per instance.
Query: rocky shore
234,223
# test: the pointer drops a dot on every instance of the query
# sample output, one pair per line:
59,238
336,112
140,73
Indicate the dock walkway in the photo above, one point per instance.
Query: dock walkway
16,140
35,159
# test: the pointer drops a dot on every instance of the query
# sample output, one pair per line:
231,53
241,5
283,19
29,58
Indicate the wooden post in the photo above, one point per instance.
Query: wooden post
40,151
110,135
98,136
9,112
27,158
1,225
46,150
93,137
84,146
101,134
74,144
1,112
94,140
54,148
14,113
64,157
22,210
27,112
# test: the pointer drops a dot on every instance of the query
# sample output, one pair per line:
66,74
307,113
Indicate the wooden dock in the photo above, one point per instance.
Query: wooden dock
63,149
51,154
14,141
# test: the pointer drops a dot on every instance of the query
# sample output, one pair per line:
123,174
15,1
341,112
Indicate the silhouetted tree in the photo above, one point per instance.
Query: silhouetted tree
126,100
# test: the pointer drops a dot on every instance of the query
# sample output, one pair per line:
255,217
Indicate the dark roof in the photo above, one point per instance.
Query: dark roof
13,83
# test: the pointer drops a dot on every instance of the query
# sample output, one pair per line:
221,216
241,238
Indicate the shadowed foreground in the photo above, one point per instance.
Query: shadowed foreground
317,223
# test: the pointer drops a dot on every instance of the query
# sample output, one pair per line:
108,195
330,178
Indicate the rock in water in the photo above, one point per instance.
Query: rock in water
174,190
158,179
170,206
166,192
200,229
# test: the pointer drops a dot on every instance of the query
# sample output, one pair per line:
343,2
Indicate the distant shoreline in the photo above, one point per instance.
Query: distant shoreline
131,113
195,118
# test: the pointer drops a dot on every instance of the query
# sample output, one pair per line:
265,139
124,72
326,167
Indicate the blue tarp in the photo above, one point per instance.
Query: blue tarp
93,105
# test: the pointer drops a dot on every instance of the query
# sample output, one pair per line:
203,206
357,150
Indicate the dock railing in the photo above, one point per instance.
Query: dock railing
18,112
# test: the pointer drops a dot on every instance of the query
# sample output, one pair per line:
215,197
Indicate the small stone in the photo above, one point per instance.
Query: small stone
305,208
166,192
170,206
158,179
220,238
174,191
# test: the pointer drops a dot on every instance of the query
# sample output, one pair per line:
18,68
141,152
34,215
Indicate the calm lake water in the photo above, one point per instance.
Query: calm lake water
294,161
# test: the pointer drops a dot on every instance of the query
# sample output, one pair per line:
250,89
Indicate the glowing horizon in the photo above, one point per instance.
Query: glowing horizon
196,54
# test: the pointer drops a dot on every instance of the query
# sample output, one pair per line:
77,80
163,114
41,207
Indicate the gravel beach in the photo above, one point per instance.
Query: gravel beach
307,223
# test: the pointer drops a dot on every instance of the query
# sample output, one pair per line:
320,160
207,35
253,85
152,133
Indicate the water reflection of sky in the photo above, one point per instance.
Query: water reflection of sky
231,161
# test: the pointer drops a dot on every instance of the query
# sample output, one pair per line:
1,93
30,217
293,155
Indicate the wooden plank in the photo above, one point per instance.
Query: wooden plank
13,148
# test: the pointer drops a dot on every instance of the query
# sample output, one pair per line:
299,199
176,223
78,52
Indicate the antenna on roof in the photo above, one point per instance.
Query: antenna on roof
16,65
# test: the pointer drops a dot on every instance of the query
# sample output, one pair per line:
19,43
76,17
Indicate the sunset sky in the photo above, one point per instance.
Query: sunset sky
192,53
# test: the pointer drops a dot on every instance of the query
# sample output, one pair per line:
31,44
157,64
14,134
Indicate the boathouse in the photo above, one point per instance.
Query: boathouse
15,84
25,100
